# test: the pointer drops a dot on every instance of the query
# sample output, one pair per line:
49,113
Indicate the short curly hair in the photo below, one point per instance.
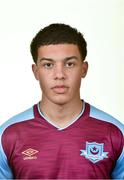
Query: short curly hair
58,33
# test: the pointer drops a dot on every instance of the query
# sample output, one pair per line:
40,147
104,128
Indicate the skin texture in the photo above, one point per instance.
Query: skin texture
59,70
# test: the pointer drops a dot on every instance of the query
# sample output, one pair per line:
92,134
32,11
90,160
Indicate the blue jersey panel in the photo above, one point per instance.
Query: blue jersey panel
5,171
118,172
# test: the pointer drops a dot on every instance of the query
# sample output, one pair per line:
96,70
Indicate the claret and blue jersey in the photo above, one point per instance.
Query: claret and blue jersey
91,147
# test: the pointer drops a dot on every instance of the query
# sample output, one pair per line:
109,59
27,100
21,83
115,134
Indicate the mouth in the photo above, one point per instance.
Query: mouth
60,89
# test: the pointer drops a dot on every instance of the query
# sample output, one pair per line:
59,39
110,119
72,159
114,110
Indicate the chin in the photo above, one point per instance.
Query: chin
60,100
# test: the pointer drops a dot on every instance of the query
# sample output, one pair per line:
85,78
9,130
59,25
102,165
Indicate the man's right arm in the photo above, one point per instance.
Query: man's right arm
5,171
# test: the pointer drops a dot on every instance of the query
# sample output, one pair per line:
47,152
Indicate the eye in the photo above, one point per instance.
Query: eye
70,64
48,65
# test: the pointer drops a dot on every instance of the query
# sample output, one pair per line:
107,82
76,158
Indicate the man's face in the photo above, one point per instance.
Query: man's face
59,70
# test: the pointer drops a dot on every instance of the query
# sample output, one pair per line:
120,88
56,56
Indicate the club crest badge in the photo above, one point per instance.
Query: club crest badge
94,152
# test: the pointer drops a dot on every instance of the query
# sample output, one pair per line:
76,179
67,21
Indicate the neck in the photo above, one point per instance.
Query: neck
61,115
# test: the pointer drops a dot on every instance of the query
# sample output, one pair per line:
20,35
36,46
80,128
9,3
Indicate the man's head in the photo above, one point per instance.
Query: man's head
58,34
59,52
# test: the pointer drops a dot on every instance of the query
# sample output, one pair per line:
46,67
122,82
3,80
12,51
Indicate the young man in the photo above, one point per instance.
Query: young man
61,137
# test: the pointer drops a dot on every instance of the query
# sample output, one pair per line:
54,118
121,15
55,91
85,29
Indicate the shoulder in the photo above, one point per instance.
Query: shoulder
105,117
23,116
5,171
117,138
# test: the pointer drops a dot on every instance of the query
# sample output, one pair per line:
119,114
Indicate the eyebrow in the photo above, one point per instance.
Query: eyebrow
65,59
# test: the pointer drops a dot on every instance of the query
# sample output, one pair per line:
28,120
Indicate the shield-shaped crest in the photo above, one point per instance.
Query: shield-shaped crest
94,152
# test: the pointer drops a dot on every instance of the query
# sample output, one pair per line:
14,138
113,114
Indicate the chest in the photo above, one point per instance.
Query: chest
72,153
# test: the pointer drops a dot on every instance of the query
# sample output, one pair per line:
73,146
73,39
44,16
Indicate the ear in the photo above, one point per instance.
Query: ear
84,69
35,71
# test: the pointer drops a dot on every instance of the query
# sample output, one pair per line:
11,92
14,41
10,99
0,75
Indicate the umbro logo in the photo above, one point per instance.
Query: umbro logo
29,154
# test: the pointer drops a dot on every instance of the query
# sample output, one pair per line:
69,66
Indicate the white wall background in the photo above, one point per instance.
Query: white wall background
101,22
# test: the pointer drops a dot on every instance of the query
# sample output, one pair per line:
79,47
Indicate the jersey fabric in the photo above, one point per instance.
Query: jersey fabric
92,147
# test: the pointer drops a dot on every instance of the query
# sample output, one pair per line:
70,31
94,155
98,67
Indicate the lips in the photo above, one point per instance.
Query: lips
60,89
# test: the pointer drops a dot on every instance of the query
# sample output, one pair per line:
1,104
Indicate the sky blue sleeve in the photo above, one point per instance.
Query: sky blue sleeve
118,171
5,170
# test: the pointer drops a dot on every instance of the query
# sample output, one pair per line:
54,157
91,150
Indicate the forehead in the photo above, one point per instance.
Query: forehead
58,51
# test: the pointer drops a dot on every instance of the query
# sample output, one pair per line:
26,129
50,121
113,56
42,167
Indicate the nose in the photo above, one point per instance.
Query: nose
59,72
